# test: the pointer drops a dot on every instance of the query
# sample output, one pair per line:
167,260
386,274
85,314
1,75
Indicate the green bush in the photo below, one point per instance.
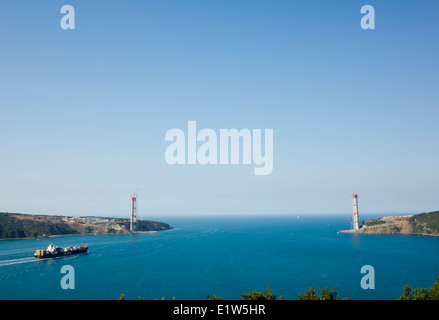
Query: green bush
421,293
325,294
261,295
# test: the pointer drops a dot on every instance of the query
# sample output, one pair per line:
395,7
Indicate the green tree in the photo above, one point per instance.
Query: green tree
325,294
421,293
214,297
261,295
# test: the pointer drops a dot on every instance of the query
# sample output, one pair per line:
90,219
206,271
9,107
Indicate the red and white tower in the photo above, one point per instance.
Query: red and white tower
133,224
356,224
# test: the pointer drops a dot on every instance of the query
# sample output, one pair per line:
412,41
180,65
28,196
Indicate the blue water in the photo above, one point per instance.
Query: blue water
225,256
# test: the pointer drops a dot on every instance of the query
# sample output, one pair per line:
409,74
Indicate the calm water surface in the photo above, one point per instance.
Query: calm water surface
225,256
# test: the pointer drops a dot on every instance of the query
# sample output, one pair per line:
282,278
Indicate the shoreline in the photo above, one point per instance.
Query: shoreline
15,226
82,234
387,233
423,224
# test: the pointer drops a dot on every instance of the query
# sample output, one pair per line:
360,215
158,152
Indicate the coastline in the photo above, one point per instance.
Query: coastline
82,234
15,226
388,233
424,224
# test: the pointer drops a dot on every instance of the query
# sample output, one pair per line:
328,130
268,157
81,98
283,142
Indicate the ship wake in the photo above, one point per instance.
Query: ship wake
11,262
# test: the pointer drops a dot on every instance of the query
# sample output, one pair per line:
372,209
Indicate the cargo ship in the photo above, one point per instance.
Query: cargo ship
54,251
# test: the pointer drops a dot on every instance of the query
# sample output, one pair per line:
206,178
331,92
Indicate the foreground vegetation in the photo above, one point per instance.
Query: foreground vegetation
421,293
325,293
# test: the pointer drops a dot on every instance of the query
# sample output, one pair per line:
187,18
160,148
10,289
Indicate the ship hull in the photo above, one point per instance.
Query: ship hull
47,255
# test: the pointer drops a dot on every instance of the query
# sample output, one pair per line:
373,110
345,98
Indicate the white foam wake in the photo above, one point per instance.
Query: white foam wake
16,261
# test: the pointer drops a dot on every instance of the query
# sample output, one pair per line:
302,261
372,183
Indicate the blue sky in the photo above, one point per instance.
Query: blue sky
84,112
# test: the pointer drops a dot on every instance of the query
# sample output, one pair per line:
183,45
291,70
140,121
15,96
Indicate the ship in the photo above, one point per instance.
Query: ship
54,251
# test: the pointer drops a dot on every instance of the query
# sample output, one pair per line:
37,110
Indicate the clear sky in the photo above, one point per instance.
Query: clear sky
84,112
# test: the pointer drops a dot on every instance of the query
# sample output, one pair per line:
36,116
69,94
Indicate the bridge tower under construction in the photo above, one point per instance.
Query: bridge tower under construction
133,222
356,224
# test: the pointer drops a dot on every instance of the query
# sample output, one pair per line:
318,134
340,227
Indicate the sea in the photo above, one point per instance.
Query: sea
223,255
